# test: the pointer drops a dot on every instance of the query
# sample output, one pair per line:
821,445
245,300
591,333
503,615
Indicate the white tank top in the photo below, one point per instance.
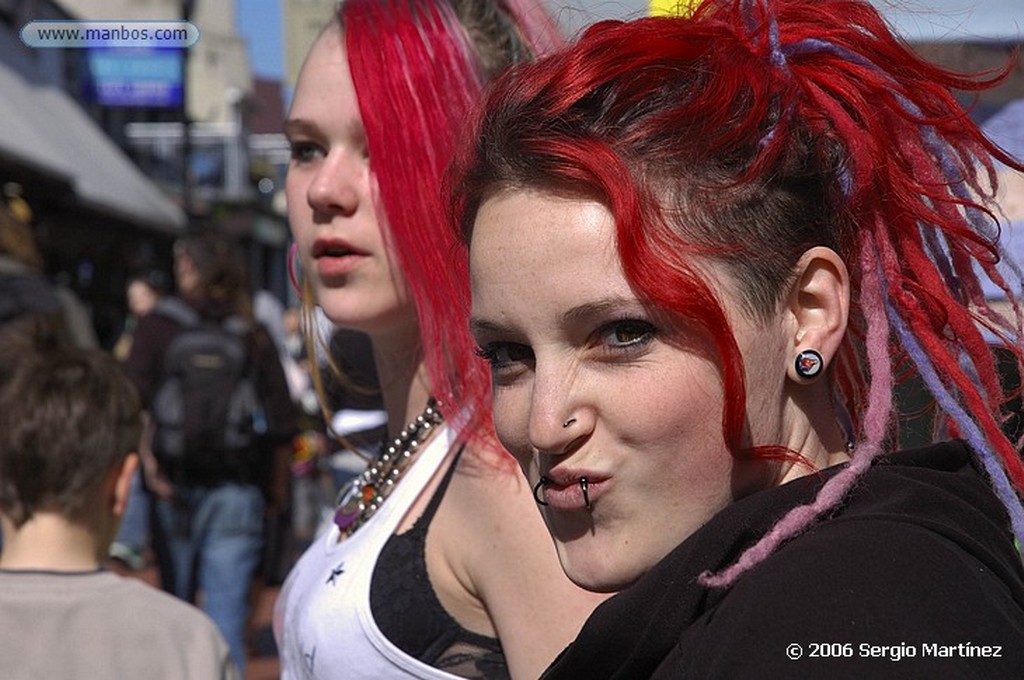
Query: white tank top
322,619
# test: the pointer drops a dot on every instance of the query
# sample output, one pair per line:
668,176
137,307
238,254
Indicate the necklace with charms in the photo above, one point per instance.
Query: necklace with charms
364,496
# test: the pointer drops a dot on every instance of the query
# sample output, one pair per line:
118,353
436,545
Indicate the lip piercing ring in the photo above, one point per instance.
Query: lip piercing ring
536,490
585,487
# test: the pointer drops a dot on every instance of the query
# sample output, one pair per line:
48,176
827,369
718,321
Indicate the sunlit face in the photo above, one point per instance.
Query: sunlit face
330,191
567,338
141,298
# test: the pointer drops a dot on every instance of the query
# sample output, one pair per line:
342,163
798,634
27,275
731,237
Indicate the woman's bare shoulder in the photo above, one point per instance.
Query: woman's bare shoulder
504,550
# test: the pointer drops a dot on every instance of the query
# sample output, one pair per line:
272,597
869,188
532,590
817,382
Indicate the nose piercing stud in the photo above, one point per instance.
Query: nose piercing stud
568,422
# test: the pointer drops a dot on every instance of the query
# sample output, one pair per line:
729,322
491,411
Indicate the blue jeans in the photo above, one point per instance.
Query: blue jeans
213,537
134,531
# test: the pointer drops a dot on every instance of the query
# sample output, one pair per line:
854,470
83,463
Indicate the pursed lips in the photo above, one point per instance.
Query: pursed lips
573,491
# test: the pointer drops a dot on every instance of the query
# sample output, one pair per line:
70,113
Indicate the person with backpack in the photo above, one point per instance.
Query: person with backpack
220,422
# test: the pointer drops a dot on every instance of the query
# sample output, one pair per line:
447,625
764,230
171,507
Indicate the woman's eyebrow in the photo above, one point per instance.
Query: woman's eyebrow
478,326
354,130
601,308
299,125
581,313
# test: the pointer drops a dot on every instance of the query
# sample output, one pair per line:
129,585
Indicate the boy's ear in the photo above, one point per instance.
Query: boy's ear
122,477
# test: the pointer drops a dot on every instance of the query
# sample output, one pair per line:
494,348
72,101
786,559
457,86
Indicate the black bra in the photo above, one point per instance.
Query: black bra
407,611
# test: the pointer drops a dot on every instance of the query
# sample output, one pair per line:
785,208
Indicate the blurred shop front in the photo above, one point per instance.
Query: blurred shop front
95,214
106,197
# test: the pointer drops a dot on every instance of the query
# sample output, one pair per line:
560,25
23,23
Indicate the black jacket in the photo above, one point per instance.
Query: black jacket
916,575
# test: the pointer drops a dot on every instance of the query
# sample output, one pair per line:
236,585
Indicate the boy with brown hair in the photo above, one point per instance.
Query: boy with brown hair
69,428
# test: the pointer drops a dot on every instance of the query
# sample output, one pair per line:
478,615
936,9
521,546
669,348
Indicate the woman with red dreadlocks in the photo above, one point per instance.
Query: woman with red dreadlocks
421,573
702,250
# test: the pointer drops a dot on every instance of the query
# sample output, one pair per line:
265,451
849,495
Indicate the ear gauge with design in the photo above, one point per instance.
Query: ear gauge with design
809,364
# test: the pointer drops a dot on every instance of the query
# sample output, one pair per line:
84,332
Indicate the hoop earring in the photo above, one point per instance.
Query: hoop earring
808,364
536,489
294,268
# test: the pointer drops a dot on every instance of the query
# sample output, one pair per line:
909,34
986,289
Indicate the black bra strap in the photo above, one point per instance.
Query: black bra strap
435,501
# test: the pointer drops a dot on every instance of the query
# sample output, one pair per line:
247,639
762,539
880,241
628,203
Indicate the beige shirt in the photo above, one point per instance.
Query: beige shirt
101,625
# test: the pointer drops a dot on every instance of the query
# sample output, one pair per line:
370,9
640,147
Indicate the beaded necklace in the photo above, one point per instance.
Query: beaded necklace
369,490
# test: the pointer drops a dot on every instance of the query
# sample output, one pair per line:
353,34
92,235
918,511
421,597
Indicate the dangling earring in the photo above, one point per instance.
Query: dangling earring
294,268
809,364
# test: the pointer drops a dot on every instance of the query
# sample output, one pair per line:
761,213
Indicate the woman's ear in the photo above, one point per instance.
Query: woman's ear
818,307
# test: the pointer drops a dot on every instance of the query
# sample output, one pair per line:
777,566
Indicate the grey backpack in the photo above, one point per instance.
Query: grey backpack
205,410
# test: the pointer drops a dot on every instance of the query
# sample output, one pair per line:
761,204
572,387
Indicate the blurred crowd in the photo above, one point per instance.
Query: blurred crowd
315,428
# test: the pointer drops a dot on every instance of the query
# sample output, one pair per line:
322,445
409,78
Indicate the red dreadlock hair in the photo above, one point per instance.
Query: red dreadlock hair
750,132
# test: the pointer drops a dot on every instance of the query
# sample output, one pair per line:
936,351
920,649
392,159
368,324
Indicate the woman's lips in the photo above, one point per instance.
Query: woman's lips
335,258
579,494
334,266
